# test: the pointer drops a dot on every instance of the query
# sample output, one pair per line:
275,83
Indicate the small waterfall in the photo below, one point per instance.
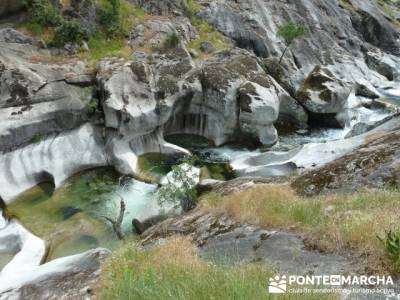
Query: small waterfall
188,124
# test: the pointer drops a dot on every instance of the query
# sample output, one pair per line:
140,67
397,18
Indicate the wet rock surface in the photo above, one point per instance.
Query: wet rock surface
374,164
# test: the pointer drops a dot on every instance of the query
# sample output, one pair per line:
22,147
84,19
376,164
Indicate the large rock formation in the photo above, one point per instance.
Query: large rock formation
44,134
53,159
167,93
73,277
360,31
35,98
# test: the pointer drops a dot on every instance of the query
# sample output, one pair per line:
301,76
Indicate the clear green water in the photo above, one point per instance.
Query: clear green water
156,165
71,219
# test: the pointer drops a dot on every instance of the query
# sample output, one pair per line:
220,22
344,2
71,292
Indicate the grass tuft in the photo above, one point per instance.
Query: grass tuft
174,271
335,222
207,33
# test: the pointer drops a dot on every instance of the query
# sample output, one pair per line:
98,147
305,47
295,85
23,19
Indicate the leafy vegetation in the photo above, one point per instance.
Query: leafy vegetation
45,17
391,243
335,222
91,103
173,271
180,191
117,17
36,138
67,32
43,13
290,32
172,40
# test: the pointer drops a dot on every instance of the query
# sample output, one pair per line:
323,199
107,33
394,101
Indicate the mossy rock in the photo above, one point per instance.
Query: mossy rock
246,92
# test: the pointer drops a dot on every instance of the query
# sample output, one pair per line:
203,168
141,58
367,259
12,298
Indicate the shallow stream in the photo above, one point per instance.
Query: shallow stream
71,219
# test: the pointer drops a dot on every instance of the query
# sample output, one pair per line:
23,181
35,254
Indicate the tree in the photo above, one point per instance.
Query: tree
290,32
180,191
110,17
115,4
117,223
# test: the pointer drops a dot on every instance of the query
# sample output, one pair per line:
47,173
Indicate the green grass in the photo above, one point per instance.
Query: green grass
192,7
334,222
100,47
173,271
208,33
37,30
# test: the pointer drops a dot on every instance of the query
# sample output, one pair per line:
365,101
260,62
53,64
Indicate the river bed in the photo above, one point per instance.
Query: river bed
71,219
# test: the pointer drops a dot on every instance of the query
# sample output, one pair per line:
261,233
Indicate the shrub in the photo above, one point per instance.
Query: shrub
391,243
110,17
67,32
171,41
44,13
91,106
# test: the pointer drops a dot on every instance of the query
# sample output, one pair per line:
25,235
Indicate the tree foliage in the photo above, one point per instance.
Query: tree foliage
43,13
110,17
46,15
290,32
67,32
180,191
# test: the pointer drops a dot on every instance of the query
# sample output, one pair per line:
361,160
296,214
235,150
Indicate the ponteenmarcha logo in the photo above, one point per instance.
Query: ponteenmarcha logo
281,284
277,285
